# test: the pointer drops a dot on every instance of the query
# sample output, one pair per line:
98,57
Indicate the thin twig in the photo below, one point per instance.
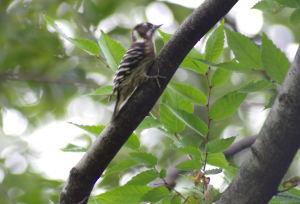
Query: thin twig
106,65
179,194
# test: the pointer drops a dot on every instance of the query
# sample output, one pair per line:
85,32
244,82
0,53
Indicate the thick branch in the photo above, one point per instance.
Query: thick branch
274,149
84,175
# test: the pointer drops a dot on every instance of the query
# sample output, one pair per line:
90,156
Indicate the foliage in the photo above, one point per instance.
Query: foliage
174,116
40,53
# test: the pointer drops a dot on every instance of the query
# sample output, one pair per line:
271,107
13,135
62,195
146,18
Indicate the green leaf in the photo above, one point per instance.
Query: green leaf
217,159
270,7
295,18
214,44
168,134
271,101
73,148
213,171
191,139
189,165
163,173
219,145
127,194
170,122
193,151
104,90
275,62
190,120
257,86
132,142
171,200
125,164
289,3
188,61
231,66
165,36
143,178
147,123
230,172
87,45
219,77
226,105
189,93
155,194
94,130
177,101
143,158
112,51
191,200
245,51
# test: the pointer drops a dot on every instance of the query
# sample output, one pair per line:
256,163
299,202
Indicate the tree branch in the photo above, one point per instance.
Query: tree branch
239,146
274,149
84,175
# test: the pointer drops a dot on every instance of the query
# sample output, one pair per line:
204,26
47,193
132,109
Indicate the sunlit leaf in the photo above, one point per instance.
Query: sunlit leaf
275,62
214,44
245,51
219,77
163,173
189,93
213,171
73,148
226,105
147,123
191,139
112,51
155,194
143,178
193,151
190,120
219,145
217,159
169,120
104,90
125,164
257,86
295,18
132,142
175,100
128,194
189,62
271,101
189,165
230,172
87,45
289,3
270,7
230,66
144,158
94,130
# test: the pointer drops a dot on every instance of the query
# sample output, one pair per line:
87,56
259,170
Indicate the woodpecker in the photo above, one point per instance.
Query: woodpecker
135,64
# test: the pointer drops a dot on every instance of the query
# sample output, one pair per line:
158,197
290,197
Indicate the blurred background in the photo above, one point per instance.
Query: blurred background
44,82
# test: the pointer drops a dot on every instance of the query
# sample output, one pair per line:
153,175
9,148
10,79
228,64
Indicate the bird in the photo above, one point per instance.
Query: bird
135,64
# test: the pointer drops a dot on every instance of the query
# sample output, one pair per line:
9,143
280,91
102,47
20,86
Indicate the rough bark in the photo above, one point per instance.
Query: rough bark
84,175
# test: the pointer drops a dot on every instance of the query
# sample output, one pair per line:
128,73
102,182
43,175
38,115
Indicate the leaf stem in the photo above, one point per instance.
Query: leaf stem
179,194
208,121
106,65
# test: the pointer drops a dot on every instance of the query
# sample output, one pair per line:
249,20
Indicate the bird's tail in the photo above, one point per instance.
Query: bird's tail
118,103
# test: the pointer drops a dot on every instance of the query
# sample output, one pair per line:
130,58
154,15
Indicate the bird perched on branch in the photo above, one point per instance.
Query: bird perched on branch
135,64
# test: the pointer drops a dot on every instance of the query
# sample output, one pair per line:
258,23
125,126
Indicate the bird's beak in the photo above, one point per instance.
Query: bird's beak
157,26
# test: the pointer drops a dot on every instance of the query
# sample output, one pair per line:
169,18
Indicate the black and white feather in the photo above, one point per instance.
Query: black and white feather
135,64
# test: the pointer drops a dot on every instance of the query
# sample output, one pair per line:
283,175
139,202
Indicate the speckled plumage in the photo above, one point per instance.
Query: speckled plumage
135,64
